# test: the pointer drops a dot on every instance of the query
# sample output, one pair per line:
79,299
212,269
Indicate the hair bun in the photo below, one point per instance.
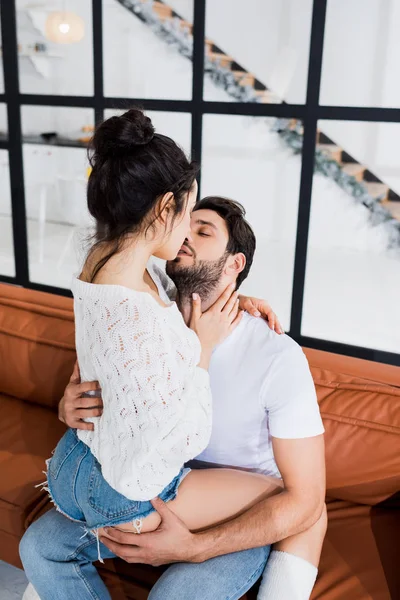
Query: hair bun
120,135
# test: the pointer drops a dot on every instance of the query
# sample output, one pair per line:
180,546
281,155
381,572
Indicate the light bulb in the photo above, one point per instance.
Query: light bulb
64,27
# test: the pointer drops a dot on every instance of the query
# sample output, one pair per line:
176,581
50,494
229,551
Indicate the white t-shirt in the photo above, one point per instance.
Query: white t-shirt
261,387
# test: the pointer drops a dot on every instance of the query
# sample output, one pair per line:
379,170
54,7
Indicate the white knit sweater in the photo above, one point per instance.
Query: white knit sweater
157,402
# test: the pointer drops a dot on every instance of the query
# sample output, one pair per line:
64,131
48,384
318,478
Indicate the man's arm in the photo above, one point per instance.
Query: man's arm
300,504
302,466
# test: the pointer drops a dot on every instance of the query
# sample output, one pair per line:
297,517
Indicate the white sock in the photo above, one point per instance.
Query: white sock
30,593
287,577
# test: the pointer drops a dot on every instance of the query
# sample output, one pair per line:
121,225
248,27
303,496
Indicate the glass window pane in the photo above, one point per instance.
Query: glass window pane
247,159
55,191
174,124
257,52
147,49
352,286
57,125
361,54
48,65
7,264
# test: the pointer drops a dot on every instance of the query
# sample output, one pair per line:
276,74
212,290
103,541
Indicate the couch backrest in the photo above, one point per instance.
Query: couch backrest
360,406
37,345
359,400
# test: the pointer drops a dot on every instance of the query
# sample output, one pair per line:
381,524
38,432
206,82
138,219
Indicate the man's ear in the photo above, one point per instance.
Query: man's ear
235,264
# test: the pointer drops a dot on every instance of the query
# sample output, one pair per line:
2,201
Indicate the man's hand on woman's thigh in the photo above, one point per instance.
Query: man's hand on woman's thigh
171,542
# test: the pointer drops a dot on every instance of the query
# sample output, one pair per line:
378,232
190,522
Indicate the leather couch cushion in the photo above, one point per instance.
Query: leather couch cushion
28,434
360,407
37,345
358,559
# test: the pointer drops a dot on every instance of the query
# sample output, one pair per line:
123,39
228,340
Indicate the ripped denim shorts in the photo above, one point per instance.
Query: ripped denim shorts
80,492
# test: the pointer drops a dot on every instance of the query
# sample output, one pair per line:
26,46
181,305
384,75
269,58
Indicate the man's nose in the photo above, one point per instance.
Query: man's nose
189,238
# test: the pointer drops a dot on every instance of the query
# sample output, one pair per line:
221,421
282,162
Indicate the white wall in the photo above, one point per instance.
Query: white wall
73,73
361,53
137,63
350,274
269,38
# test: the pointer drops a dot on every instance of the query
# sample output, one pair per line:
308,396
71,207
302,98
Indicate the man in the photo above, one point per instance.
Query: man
265,418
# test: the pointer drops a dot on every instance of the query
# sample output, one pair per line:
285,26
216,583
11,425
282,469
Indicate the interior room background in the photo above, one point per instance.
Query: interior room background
292,107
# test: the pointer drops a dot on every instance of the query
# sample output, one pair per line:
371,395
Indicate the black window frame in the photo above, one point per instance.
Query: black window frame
310,113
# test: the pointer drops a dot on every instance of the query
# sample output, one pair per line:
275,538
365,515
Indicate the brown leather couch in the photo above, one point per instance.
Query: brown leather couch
360,405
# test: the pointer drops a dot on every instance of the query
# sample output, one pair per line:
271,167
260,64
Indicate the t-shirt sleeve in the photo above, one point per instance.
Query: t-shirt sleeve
289,397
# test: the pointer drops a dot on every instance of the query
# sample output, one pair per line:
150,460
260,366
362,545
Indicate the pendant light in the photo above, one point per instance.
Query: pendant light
64,27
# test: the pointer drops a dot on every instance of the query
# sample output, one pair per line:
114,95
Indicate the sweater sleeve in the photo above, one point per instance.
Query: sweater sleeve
157,402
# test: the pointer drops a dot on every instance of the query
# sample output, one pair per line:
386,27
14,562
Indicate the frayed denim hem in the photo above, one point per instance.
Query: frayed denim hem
137,523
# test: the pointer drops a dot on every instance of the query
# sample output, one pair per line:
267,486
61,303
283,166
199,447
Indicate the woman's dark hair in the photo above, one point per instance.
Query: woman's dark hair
132,168
241,237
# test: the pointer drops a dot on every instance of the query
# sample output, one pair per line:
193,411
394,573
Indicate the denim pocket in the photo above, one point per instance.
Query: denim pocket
65,446
105,500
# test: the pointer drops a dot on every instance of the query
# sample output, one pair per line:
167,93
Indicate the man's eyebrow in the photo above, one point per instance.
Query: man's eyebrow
202,222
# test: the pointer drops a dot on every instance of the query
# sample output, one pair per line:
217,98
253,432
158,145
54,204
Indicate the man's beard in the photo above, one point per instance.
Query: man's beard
202,277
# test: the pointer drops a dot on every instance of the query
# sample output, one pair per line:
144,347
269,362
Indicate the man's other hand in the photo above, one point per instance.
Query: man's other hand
73,408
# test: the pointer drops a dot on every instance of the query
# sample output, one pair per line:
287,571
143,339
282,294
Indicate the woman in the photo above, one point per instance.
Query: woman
152,368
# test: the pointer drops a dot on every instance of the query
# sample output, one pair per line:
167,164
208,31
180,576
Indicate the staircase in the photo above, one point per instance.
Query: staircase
330,159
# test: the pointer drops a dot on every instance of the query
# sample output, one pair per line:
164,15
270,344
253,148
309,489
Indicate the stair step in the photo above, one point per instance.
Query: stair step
221,59
267,97
393,208
208,46
244,78
186,25
379,191
324,139
355,170
331,150
162,10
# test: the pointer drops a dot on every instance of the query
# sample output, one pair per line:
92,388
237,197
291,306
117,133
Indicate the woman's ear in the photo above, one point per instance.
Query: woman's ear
236,263
165,206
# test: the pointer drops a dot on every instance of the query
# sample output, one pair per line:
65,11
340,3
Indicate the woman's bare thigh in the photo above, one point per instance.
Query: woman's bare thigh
207,497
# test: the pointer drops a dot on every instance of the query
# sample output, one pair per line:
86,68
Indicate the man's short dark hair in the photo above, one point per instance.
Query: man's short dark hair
241,236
